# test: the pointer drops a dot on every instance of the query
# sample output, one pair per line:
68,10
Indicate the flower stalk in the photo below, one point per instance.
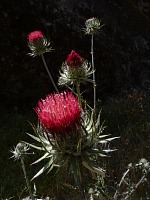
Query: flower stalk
122,180
49,74
93,26
19,154
93,68
78,92
145,167
26,178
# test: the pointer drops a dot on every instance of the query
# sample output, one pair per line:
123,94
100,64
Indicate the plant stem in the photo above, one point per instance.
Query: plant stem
137,185
122,179
79,186
78,92
82,193
44,62
93,68
26,178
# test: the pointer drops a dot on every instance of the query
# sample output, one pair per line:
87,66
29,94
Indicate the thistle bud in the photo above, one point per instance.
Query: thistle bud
93,26
20,150
38,44
74,70
74,60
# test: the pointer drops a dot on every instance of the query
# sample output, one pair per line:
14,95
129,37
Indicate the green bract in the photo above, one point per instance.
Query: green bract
93,26
20,150
74,75
39,47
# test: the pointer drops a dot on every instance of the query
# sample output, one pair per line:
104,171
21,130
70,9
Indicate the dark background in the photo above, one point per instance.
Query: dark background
122,50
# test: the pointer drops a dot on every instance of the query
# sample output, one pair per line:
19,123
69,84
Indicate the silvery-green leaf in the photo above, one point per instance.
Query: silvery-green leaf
43,157
108,140
109,150
98,120
39,139
50,162
90,124
102,136
79,147
94,169
94,151
35,147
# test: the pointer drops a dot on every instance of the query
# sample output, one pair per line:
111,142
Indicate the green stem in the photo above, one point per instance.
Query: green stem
81,192
78,92
44,62
137,185
93,68
26,179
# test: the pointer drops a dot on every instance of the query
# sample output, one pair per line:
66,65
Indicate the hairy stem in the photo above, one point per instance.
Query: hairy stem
93,68
122,180
26,179
137,185
44,62
78,92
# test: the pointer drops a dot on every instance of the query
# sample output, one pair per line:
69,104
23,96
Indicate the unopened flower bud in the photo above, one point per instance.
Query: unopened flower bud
20,150
38,44
74,59
93,26
74,70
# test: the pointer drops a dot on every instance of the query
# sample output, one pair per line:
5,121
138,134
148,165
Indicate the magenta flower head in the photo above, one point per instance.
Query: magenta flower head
74,59
74,70
35,36
38,44
59,114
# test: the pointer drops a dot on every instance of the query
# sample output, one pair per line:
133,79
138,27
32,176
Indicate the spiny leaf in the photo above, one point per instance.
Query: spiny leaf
108,140
35,147
50,162
40,159
109,150
98,120
79,147
97,151
94,169
39,139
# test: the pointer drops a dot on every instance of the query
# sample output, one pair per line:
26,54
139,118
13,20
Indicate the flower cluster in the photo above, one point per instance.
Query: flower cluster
38,44
59,113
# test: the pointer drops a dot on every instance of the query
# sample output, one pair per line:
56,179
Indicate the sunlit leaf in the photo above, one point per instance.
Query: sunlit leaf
50,162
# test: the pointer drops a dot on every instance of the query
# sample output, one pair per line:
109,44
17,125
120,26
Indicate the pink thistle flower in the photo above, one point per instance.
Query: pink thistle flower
74,59
59,113
35,36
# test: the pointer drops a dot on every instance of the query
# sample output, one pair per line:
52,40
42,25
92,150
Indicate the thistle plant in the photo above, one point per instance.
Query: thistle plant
130,188
39,45
69,135
19,153
92,27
